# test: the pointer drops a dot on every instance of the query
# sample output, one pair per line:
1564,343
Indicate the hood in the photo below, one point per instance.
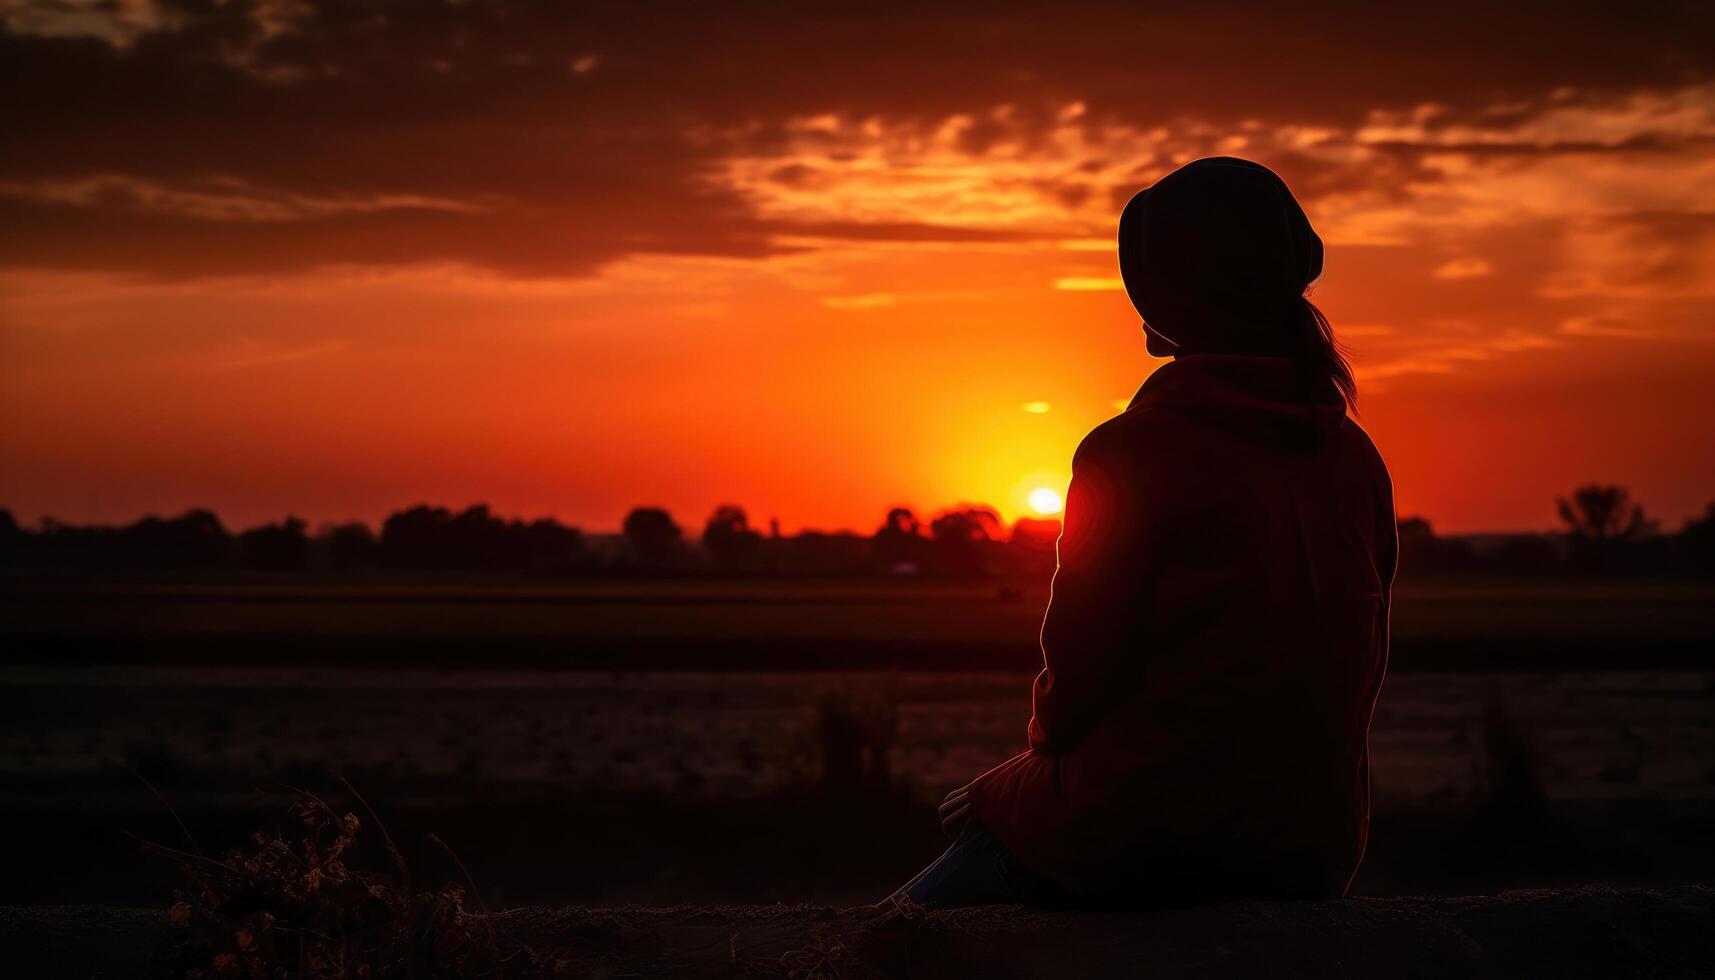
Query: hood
1264,400
1216,256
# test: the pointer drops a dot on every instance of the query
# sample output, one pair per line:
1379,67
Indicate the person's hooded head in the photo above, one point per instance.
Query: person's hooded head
1216,257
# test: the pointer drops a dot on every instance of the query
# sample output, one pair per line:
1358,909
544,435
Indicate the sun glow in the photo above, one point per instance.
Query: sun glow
1045,501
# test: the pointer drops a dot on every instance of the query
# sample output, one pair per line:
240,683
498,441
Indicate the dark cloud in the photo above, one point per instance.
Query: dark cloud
589,132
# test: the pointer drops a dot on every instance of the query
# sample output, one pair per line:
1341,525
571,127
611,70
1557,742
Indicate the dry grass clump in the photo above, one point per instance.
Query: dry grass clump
298,903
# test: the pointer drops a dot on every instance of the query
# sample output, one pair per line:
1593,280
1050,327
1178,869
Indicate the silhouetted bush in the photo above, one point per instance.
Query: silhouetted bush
1607,533
728,539
12,538
434,537
352,545
1420,550
1607,528
899,545
545,545
300,903
962,537
275,547
652,535
1694,547
193,540
1033,546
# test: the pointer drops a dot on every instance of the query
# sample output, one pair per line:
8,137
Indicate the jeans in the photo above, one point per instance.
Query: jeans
978,870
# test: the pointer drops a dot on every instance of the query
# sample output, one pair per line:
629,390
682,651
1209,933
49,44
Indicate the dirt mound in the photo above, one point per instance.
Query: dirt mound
1584,932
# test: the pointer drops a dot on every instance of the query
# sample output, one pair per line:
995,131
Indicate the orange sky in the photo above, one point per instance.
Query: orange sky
277,259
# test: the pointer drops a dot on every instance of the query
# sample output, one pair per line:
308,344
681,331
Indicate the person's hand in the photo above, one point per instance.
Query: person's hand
956,811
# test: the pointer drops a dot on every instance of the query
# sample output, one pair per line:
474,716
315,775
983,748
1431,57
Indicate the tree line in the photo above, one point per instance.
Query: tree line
1605,532
963,541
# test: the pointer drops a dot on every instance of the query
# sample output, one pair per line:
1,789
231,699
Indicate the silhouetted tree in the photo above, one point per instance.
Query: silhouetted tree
12,538
728,538
476,539
960,535
276,547
1036,532
965,524
1600,513
415,538
434,537
1421,550
352,546
1032,545
1696,543
546,545
1602,521
652,534
194,539
899,544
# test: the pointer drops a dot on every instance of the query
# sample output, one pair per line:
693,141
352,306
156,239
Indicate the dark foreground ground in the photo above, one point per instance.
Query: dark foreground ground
662,788
1573,933
689,746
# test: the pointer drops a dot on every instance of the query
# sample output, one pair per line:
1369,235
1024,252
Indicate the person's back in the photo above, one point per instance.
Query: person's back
1215,644
1217,633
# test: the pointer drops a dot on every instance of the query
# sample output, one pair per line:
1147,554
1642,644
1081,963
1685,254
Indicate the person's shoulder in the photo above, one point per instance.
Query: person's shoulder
1356,441
1137,434
1361,449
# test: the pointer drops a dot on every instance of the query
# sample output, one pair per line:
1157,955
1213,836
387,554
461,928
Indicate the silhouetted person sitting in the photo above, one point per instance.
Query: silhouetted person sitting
1218,628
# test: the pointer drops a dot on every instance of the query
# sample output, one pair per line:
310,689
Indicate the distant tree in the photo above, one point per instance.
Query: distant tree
960,535
546,545
434,537
1415,535
1695,543
62,544
652,534
352,545
899,542
276,547
474,538
1602,520
194,539
1032,545
1600,513
12,537
1422,550
900,522
415,538
727,536
1036,532
965,523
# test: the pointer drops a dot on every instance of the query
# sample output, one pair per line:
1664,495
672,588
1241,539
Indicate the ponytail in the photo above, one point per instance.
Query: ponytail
1321,356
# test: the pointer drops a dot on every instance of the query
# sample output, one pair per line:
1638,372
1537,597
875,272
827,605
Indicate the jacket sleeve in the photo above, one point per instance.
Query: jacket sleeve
1094,618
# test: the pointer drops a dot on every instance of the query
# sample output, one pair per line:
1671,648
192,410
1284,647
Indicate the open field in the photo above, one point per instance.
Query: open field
1530,734
691,786
1457,624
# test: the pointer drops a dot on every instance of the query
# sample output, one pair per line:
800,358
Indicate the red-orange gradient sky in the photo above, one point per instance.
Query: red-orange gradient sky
334,259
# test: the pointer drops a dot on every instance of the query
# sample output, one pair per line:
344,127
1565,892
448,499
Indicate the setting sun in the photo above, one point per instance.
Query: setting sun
1045,501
